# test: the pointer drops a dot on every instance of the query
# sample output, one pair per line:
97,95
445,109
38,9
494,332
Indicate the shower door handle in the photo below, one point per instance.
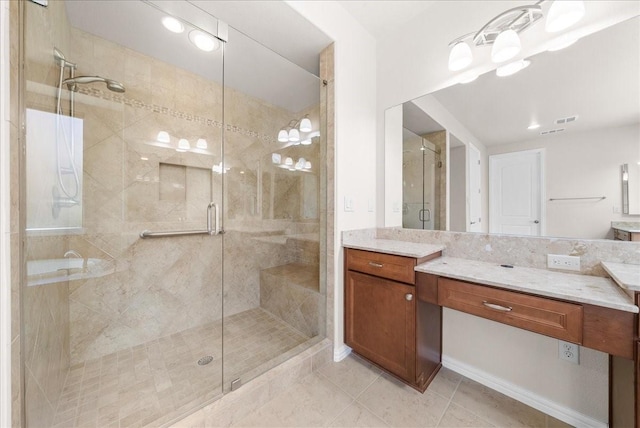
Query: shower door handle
421,214
213,219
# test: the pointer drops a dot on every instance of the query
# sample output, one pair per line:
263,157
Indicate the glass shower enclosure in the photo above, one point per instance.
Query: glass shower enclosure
172,239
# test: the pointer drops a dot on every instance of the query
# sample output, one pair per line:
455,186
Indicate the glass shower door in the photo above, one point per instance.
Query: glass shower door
122,310
274,155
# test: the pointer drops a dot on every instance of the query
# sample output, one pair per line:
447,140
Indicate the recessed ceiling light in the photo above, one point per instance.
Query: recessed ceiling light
203,41
512,68
534,126
172,24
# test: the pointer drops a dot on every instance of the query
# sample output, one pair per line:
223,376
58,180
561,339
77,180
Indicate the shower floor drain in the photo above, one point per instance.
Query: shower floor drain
205,360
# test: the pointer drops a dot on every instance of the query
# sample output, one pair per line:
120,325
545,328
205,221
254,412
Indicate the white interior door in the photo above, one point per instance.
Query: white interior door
475,189
516,193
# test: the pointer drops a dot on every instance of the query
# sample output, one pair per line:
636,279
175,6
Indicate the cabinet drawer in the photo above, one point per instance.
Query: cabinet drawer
621,235
545,316
388,266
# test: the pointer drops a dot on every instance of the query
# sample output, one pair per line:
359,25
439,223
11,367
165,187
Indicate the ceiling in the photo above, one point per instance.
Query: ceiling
380,17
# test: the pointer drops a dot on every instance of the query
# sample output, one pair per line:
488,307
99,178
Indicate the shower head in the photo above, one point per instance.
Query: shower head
112,85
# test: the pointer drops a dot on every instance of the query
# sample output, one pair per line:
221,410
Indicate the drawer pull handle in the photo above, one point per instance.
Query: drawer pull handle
378,265
497,307
409,297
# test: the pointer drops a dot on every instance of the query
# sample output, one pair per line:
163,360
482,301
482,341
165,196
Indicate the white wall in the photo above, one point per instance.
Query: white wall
355,129
412,62
581,165
458,190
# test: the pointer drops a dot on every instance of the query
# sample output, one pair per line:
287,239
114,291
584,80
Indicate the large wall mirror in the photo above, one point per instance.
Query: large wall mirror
497,173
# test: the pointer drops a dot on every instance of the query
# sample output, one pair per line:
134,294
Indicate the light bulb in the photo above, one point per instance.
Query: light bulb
512,68
563,14
183,144
294,135
460,56
305,125
506,46
172,24
201,143
283,136
163,137
203,41
307,165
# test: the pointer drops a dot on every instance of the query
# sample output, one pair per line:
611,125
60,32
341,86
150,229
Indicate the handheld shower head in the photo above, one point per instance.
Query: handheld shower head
112,85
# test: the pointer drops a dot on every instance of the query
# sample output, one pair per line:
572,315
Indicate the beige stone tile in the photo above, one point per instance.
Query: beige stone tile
457,416
495,407
353,374
445,382
386,395
357,416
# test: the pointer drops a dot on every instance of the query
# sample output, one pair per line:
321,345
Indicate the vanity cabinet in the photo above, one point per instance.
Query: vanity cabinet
385,322
625,235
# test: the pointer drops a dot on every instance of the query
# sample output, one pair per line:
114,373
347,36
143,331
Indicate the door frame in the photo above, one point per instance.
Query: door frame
478,225
543,198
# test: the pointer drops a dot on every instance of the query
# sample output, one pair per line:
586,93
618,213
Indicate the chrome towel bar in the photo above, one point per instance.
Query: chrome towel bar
575,199
213,226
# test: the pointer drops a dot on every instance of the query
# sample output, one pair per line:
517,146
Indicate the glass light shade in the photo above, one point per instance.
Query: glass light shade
201,143
183,144
294,135
203,41
512,68
276,158
307,165
283,136
305,125
306,142
288,161
506,46
460,56
163,137
172,24
563,14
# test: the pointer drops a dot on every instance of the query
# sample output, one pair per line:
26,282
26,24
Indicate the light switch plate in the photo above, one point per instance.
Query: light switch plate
348,204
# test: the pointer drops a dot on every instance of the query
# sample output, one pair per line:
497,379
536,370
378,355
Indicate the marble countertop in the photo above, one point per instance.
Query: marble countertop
626,275
388,246
572,287
626,226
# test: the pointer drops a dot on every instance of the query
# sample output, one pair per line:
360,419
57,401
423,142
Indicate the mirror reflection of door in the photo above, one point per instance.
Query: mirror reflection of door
474,184
516,193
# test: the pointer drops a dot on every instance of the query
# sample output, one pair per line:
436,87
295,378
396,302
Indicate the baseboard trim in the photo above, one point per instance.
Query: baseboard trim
529,398
341,352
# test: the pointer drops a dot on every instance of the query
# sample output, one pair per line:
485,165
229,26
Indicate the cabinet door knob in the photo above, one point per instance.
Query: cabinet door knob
408,296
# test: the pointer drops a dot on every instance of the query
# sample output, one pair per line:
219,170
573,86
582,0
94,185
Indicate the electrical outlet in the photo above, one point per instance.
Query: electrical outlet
569,352
555,261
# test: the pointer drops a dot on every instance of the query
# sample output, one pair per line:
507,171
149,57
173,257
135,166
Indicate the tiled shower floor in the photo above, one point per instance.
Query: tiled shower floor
151,383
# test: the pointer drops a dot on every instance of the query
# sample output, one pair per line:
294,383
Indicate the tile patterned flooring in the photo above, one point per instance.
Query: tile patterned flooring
352,393
147,384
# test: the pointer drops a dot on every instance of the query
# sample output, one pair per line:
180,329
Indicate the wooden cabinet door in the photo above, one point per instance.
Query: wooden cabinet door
380,322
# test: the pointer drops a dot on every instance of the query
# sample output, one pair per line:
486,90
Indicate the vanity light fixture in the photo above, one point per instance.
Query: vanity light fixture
201,144
294,135
203,41
512,68
283,136
291,132
506,46
563,14
172,24
288,162
460,56
183,145
502,32
276,158
163,137
307,165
